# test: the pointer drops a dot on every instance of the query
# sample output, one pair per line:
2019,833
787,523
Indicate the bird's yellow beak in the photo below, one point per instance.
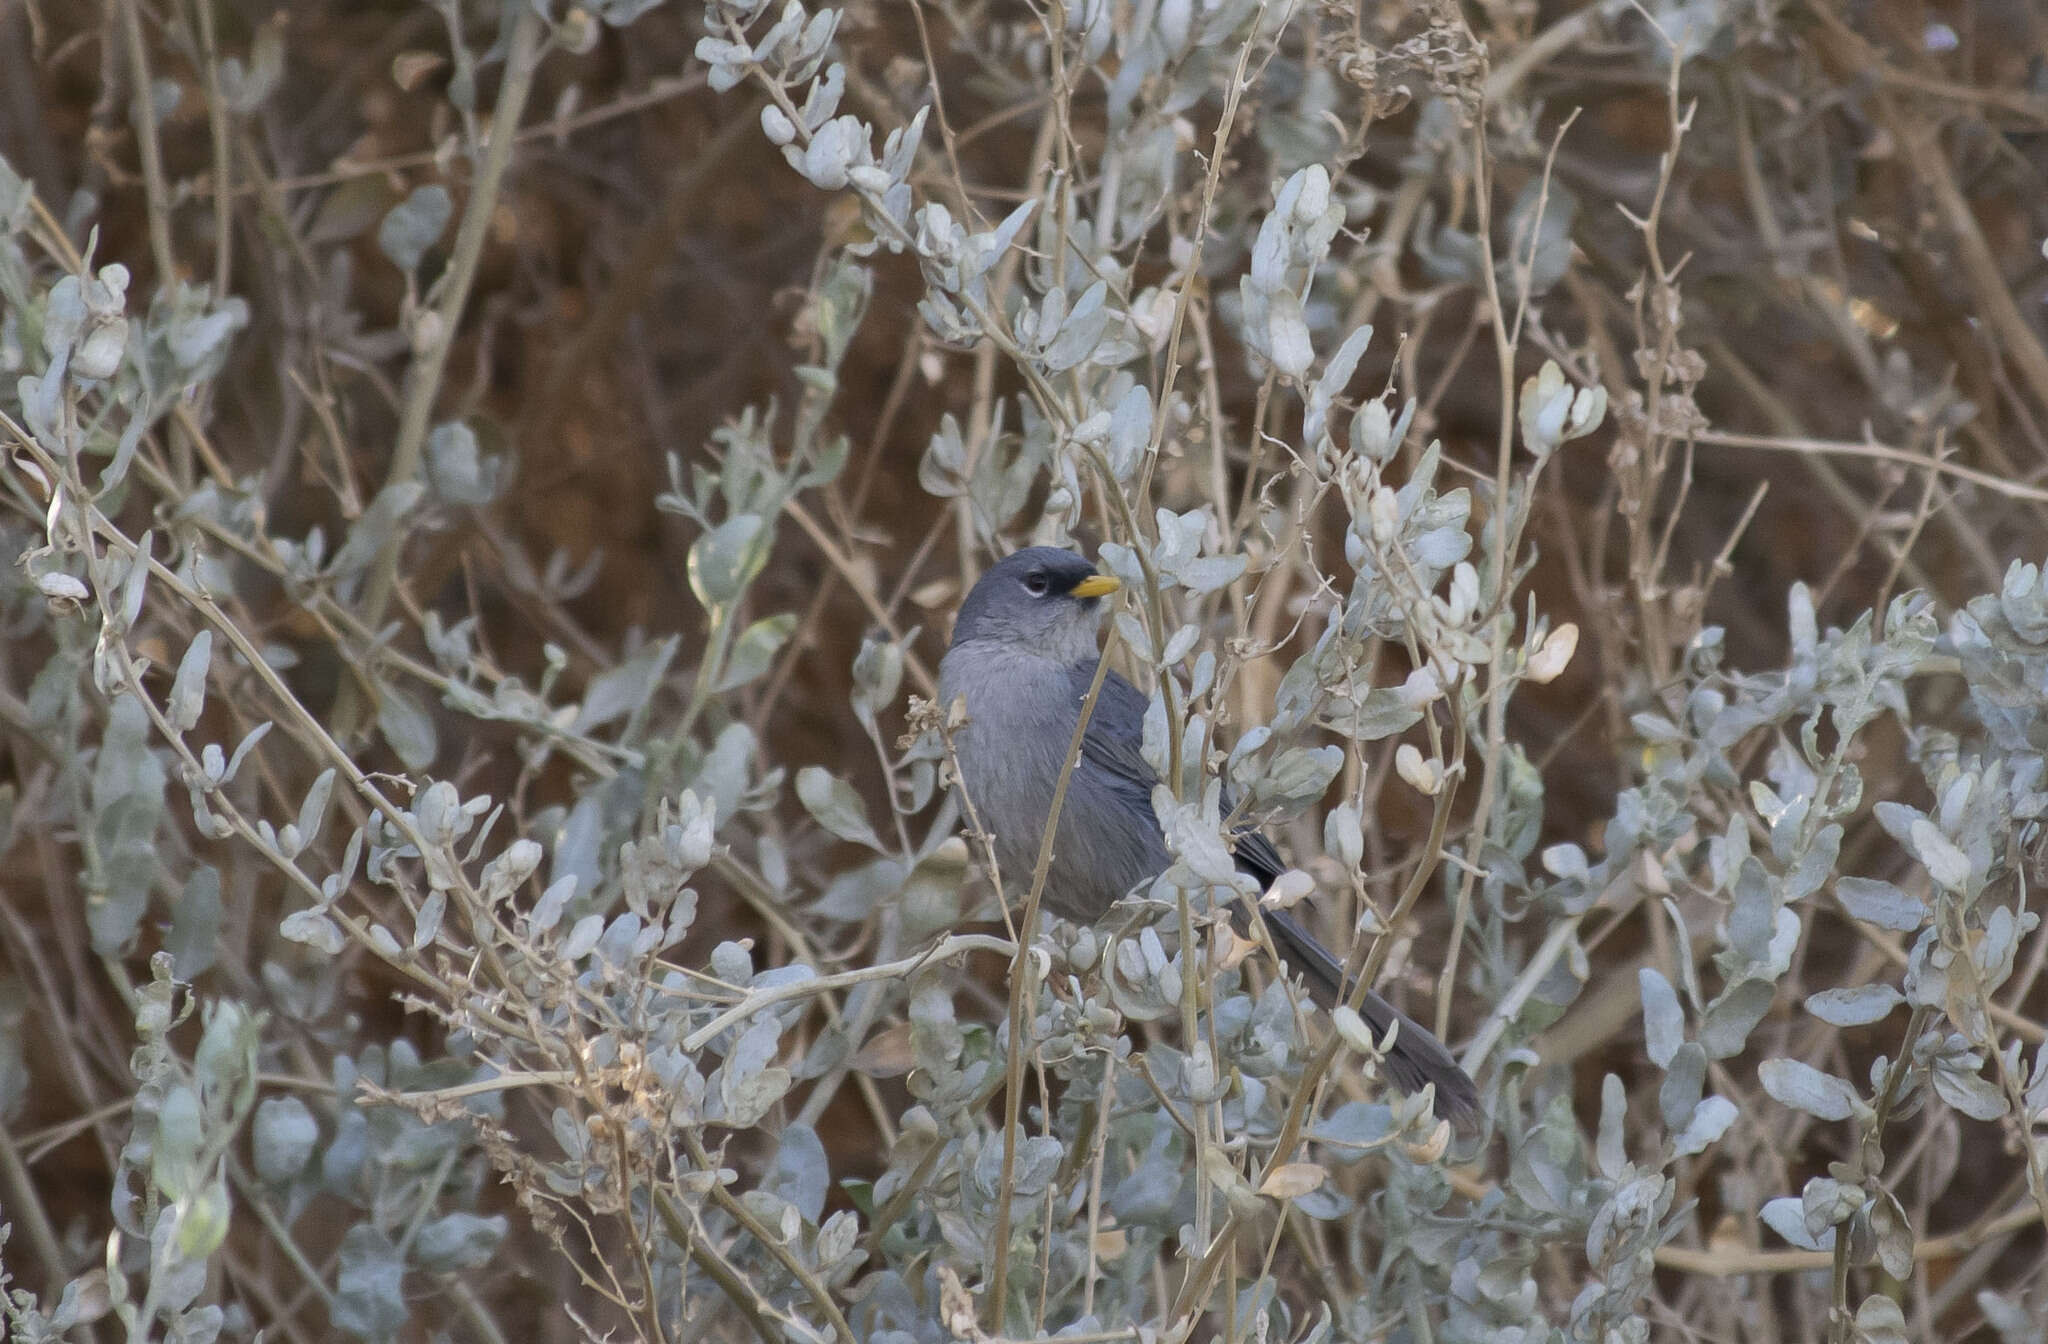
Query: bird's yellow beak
1096,585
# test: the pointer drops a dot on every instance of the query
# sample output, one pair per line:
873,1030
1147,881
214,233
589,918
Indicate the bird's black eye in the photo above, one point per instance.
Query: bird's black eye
1035,584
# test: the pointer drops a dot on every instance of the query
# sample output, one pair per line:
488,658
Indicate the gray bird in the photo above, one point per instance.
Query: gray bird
1024,655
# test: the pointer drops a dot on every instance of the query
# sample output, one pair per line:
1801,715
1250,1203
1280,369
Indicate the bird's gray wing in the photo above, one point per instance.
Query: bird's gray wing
1114,742
1113,766
1114,745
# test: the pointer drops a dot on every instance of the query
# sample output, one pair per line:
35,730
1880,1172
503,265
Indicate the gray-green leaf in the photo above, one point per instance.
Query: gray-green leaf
1805,1088
835,806
1880,903
725,560
282,1138
1854,1007
414,225
754,650
406,727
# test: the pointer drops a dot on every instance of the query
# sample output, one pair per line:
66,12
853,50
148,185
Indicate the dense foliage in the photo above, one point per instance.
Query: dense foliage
487,482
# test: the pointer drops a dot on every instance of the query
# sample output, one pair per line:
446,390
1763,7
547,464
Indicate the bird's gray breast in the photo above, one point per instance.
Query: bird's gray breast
1021,712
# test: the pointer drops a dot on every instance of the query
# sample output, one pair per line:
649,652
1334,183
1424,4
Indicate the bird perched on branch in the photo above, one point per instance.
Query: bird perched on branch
1024,656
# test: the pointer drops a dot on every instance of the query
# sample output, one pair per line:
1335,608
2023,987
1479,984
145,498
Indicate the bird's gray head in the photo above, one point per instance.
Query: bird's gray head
1043,600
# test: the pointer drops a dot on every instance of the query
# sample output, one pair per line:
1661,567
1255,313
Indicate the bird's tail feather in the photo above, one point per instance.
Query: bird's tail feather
1417,1057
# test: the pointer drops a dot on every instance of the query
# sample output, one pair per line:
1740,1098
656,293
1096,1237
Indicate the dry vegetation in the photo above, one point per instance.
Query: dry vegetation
489,483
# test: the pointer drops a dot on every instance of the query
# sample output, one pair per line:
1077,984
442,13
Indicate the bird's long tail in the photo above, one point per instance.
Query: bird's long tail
1417,1057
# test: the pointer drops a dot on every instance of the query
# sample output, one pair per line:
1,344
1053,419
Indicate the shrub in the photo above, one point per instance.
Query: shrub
414,936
